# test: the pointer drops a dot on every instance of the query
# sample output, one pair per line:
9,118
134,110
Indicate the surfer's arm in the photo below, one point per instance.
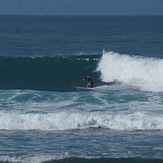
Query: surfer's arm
86,78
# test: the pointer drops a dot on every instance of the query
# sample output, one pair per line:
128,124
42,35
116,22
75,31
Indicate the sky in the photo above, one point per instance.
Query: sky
82,7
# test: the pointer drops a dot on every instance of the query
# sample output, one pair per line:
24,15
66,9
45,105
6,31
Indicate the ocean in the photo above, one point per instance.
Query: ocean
44,119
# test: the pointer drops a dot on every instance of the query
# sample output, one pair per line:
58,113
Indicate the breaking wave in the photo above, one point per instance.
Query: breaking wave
71,121
137,71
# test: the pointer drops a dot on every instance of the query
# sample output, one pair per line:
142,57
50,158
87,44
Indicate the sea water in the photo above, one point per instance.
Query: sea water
44,119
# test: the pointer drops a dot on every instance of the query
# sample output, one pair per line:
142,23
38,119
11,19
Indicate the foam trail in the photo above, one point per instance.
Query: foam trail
145,73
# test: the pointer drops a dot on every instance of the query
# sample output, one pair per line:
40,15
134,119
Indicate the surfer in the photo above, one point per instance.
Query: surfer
90,82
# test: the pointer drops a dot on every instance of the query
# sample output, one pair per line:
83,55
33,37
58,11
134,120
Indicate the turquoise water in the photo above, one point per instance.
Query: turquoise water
42,116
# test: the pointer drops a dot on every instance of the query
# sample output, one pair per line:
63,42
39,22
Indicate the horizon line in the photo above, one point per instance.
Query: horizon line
82,15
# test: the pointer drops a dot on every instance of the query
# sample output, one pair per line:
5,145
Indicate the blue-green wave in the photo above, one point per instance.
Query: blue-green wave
106,160
57,73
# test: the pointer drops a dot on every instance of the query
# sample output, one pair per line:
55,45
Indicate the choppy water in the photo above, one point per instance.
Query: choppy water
44,119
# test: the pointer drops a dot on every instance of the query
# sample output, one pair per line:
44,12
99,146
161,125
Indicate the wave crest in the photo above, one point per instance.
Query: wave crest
145,73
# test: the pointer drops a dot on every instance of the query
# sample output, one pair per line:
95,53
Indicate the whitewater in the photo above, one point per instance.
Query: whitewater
83,120
44,119
138,71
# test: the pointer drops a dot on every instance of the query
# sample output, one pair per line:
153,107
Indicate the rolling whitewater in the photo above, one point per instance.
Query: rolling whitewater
43,118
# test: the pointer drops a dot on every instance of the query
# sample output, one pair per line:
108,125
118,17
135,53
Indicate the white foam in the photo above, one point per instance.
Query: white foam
145,73
80,120
33,159
118,87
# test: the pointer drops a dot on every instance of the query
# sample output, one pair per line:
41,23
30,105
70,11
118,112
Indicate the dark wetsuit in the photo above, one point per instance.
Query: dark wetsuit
90,82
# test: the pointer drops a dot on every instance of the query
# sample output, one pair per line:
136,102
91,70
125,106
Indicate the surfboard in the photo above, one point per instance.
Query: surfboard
83,89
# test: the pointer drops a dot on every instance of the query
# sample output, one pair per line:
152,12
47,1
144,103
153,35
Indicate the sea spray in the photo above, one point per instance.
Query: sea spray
145,73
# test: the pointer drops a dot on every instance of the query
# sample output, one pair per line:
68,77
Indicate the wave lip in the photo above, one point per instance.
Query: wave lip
145,73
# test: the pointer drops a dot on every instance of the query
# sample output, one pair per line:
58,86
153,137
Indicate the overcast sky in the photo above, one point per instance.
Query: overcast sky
81,7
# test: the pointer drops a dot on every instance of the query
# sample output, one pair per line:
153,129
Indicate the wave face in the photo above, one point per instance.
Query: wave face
140,72
57,73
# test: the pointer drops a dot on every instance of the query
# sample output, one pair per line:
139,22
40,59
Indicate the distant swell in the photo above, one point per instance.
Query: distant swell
106,160
57,73
50,159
